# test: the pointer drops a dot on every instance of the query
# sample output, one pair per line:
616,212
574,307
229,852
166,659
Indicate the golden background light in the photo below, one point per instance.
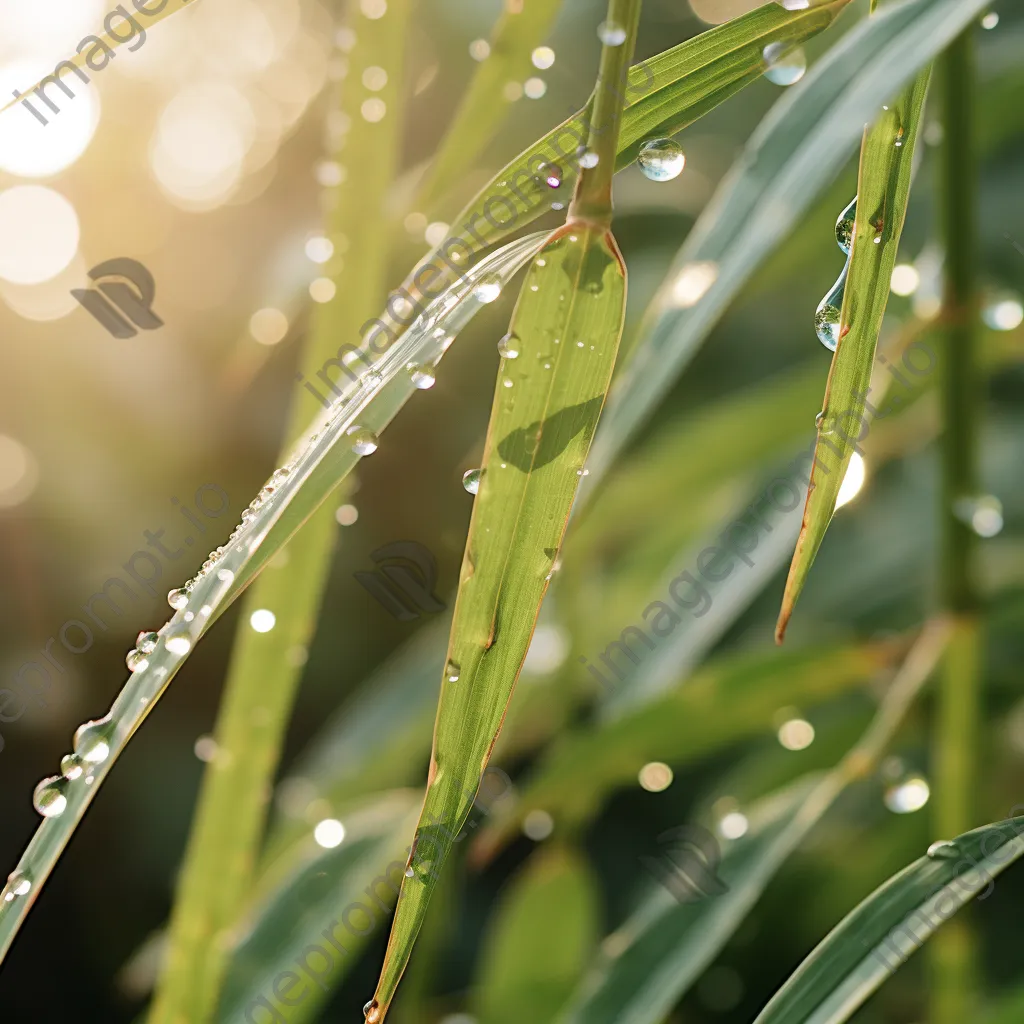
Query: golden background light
39,234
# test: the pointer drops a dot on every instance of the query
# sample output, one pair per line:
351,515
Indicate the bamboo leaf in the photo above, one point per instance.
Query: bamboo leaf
796,151
539,942
875,939
882,194
565,332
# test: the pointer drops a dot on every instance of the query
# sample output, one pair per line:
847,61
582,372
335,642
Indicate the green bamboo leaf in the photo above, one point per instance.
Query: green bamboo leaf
724,703
564,335
795,152
519,29
264,673
539,941
876,938
882,194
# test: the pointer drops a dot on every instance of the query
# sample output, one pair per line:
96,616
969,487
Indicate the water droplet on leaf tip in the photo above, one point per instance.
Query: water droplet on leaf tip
471,480
363,441
661,159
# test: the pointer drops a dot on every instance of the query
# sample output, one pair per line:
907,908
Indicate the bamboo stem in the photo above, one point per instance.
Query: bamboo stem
954,959
593,198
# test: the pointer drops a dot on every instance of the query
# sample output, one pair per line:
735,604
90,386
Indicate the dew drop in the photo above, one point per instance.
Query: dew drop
508,346
661,159
611,33
136,660
422,376
92,740
146,642
786,64
180,643
943,850
280,475
71,766
49,799
826,323
452,671
371,1011
471,480
364,442
818,419
177,599
18,884
844,226
488,288
588,158
409,873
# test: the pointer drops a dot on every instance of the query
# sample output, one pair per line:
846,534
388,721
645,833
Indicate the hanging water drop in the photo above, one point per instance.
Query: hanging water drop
451,671
943,850
661,159
71,766
136,660
371,1011
364,442
828,314
611,34
488,288
508,347
471,480
786,63
146,642
177,599
422,376
49,799
92,740
844,226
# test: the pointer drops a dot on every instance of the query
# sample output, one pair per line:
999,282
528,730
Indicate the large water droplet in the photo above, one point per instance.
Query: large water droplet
92,740
452,671
422,376
828,313
18,884
371,1011
177,599
611,34
364,442
508,346
786,63
661,159
146,642
49,799
71,766
471,480
943,850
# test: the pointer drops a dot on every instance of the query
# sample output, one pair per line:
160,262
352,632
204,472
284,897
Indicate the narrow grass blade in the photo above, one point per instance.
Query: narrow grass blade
796,151
882,194
724,703
666,945
875,939
307,896
520,28
540,941
564,333
264,673
293,492
95,52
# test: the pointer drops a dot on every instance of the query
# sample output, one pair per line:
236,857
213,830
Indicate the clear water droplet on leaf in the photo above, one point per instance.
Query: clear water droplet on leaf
471,480
661,159
786,64
92,740
508,346
177,599
452,671
488,288
422,376
147,642
943,850
363,441
49,797
611,34
71,766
